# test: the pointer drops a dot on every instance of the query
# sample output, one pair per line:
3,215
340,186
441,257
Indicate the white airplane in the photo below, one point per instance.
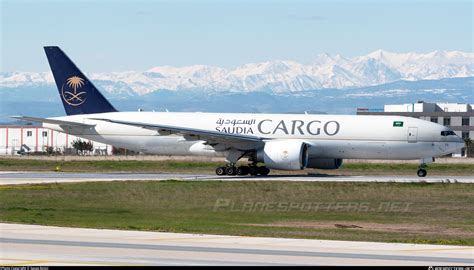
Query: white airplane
280,141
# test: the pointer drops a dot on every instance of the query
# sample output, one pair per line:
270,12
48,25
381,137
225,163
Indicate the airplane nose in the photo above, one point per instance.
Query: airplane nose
459,142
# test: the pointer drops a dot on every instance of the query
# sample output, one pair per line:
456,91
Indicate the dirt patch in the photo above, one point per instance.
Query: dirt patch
422,229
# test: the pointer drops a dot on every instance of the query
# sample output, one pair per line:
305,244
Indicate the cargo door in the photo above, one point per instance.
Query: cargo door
412,134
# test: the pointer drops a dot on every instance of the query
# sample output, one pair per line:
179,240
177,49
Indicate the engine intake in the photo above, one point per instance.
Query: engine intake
284,155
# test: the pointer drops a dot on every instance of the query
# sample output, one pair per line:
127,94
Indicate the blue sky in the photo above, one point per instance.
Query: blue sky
102,36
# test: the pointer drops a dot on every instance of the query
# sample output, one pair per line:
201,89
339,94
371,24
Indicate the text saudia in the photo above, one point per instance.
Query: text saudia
269,126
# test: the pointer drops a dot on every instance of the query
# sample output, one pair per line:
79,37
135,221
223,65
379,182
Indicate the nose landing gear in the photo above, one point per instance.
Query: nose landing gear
423,164
421,172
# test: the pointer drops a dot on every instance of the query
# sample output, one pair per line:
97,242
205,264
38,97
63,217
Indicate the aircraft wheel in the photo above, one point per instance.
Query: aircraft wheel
253,170
264,171
220,171
421,173
243,170
231,170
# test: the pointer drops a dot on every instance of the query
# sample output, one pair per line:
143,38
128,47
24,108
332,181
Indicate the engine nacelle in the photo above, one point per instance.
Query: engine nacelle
324,163
284,155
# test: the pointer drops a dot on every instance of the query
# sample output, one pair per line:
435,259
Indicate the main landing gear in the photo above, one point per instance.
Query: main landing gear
242,170
230,169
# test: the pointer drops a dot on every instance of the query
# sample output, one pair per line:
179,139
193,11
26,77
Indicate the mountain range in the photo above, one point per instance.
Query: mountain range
322,72
332,84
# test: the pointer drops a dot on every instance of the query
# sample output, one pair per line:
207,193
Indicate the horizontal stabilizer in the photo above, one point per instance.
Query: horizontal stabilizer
52,121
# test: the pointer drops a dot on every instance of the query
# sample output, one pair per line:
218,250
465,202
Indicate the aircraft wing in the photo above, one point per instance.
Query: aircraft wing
52,121
201,133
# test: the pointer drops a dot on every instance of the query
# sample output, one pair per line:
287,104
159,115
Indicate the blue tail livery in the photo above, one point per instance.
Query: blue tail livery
78,94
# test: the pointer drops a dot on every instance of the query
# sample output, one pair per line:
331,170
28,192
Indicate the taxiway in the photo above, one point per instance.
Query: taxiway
45,245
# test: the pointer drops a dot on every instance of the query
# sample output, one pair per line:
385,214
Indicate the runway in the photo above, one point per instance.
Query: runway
44,245
13,178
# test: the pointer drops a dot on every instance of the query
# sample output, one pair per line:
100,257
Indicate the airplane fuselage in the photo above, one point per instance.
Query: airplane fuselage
330,136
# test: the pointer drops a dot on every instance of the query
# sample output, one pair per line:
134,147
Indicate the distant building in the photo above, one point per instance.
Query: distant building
457,116
31,139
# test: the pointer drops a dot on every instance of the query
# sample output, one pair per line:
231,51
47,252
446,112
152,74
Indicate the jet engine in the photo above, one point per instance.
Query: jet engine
324,163
284,155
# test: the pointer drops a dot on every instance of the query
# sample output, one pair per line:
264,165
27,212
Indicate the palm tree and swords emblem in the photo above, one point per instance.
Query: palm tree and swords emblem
73,97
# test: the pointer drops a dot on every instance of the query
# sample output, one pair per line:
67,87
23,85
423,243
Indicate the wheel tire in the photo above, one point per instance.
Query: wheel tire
421,172
253,170
230,170
220,171
264,171
243,170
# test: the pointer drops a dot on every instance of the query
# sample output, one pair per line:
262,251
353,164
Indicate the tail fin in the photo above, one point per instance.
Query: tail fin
78,94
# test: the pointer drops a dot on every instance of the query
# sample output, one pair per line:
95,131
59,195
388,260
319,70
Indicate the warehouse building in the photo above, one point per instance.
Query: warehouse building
457,116
29,139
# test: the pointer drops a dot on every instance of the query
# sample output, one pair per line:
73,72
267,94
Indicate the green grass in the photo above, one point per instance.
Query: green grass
209,167
420,213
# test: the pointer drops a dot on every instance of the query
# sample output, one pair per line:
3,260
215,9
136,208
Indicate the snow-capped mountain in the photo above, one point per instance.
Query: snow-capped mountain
324,71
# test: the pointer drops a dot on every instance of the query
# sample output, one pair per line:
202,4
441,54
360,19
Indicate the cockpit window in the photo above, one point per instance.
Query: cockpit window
447,133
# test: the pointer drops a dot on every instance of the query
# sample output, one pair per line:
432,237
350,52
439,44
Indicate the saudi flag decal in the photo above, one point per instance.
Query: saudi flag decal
398,123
